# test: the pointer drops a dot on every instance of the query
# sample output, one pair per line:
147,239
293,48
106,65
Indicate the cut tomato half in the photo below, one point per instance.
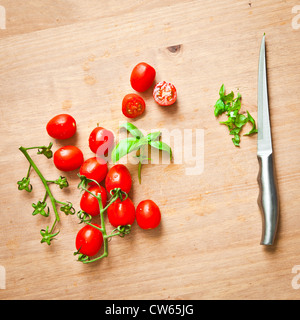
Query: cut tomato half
133,105
165,93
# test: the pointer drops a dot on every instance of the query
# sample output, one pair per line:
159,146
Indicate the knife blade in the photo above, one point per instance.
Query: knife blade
268,197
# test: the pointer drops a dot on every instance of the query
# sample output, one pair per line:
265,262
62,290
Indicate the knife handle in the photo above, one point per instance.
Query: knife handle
268,199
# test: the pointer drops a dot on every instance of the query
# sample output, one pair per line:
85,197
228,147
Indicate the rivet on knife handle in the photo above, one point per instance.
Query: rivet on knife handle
268,196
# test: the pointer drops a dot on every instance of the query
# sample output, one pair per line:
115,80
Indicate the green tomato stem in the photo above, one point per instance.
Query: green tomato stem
140,172
45,197
53,226
44,181
103,228
60,202
113,235
28,171
104,234
32,148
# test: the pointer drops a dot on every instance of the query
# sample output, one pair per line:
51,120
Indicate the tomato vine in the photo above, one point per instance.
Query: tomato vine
121,231
41,206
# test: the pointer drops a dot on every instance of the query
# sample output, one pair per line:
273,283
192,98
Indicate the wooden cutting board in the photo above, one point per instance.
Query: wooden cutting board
76,57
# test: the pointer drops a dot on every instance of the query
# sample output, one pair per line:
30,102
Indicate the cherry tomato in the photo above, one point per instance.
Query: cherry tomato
101,141
68,158
89,240
94,168
118,176
133,105
121,213
62,126
89,203
164,93
142,77
148,215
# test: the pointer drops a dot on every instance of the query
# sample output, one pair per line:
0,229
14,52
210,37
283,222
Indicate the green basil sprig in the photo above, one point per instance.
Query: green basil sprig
138,142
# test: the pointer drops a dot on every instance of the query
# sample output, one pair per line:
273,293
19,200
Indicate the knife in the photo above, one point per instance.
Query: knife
268,198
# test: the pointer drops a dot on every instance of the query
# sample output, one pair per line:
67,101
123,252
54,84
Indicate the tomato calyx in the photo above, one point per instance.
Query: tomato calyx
84,181
121,231
48,236
24,184
119,193
62,182
46,151
81,257
39,208
68,208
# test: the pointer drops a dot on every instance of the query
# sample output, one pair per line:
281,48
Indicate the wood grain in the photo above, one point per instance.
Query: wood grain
76,57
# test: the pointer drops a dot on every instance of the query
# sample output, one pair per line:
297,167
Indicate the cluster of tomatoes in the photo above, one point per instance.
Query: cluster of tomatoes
142,78
121,212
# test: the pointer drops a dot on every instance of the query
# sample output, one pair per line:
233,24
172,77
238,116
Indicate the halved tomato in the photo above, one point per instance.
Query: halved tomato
165,93
133,105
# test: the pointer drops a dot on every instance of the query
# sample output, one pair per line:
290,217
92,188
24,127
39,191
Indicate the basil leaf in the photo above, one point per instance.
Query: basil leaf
132,129
124,147
235,131
229,123
141,142
236,103
153,136
228,98
233,114
253,130
222,91
161,146
219,107
240,120
236,140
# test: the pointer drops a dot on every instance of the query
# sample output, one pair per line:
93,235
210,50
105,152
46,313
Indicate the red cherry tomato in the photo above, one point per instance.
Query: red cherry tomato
68,158
148,215
142,77
164,93
89,203
62,126
89,240
101,141
94,168
118,176
133,105
121,213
